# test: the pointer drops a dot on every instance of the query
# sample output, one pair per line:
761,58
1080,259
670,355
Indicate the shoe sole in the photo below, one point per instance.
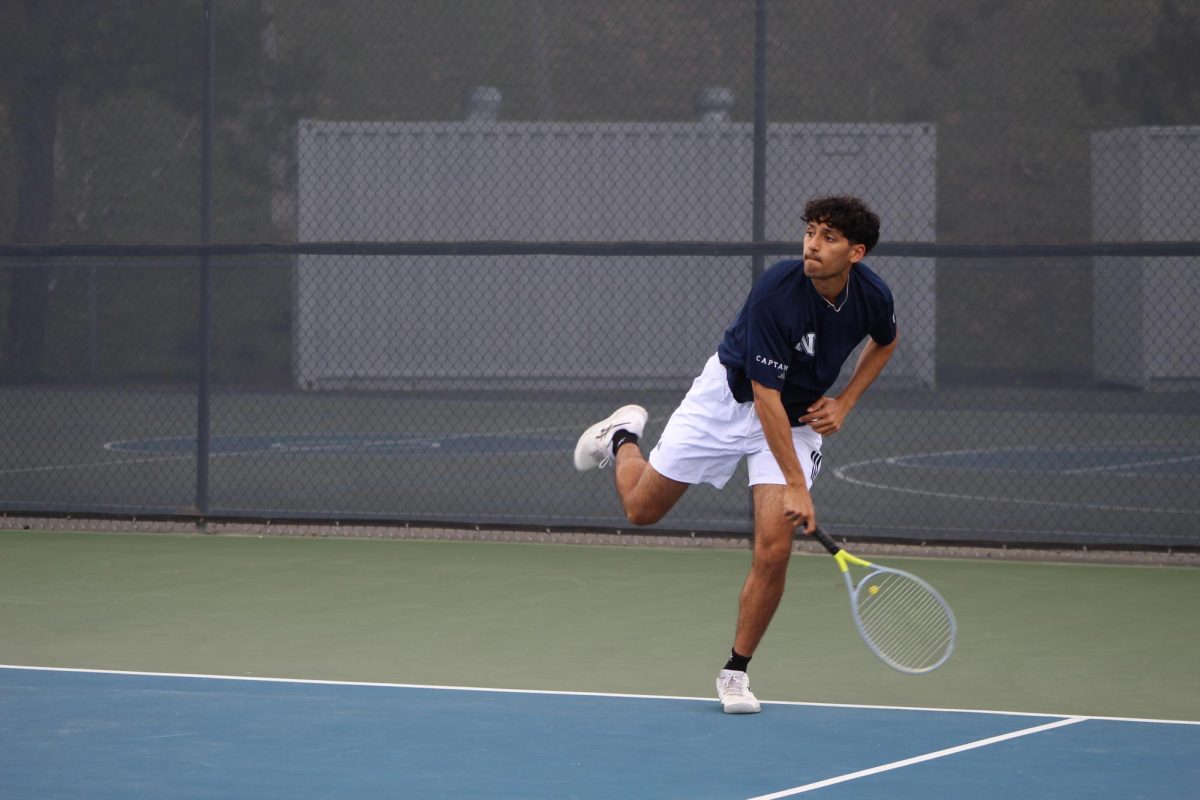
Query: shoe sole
742,708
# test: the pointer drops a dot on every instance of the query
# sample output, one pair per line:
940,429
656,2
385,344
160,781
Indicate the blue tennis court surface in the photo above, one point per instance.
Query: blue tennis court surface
67,733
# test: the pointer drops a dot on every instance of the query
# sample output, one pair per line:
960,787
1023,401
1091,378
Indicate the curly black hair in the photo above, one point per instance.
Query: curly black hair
849,215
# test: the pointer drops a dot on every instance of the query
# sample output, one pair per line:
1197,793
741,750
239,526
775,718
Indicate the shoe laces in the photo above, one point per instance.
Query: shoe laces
605,447
735,684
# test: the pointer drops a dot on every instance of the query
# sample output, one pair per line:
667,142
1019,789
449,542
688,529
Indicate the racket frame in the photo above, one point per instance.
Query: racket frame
845,560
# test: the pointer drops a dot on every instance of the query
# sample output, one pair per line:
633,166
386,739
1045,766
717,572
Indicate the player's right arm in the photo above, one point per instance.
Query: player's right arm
797,501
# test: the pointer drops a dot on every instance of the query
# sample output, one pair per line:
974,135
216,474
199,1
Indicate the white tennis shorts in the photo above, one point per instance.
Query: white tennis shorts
710,432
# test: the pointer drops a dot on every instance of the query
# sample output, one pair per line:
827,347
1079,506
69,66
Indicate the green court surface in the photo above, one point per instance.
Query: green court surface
1100,640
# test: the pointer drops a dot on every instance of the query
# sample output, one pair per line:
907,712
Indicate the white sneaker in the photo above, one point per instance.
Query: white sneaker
733,689
594,449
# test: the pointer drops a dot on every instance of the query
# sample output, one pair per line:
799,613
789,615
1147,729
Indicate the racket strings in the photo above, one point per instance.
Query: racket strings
909,651
907,622
910,638
903,621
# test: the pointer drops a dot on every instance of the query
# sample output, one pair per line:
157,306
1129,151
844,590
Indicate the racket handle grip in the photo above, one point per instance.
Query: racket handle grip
823,537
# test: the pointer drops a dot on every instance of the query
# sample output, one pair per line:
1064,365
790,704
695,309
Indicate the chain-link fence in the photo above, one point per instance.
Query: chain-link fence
491,222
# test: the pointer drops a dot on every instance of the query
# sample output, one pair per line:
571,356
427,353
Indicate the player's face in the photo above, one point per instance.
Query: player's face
827,253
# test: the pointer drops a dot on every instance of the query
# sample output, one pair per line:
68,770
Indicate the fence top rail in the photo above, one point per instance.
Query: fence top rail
595,248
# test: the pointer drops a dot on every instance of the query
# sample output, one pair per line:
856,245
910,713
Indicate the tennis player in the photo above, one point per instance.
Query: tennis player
762,396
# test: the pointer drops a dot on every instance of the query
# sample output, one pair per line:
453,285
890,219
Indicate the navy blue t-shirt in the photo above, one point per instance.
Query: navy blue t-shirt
788,337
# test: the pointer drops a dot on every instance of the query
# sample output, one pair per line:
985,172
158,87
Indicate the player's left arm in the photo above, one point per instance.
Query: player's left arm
828,414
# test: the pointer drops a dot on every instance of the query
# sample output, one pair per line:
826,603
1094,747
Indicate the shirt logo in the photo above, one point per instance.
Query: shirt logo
774,365
771,363
808,344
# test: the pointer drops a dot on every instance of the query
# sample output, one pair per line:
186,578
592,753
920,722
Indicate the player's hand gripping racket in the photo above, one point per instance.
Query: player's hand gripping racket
901,617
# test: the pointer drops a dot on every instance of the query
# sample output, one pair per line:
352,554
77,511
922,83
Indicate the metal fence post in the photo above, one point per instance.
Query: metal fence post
760,133
203,432
759,220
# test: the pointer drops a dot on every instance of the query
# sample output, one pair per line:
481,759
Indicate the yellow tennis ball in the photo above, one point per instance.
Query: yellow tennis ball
873,589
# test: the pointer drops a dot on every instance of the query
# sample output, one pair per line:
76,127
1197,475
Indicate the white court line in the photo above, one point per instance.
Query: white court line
1135,464
842,474
949,751
431,441
64,467
564,693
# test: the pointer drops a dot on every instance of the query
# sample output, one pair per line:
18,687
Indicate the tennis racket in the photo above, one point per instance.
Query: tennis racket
902,618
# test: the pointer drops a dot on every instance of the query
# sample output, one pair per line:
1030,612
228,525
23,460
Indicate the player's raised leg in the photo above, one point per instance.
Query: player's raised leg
646,496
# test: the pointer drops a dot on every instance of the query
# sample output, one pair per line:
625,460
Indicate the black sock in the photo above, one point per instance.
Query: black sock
738,662
622,437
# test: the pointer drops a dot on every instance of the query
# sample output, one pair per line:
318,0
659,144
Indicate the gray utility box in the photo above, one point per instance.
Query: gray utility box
524,321
1146,311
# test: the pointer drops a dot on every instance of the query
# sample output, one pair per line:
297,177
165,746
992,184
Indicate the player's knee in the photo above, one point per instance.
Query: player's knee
772,556
640,512
642,515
